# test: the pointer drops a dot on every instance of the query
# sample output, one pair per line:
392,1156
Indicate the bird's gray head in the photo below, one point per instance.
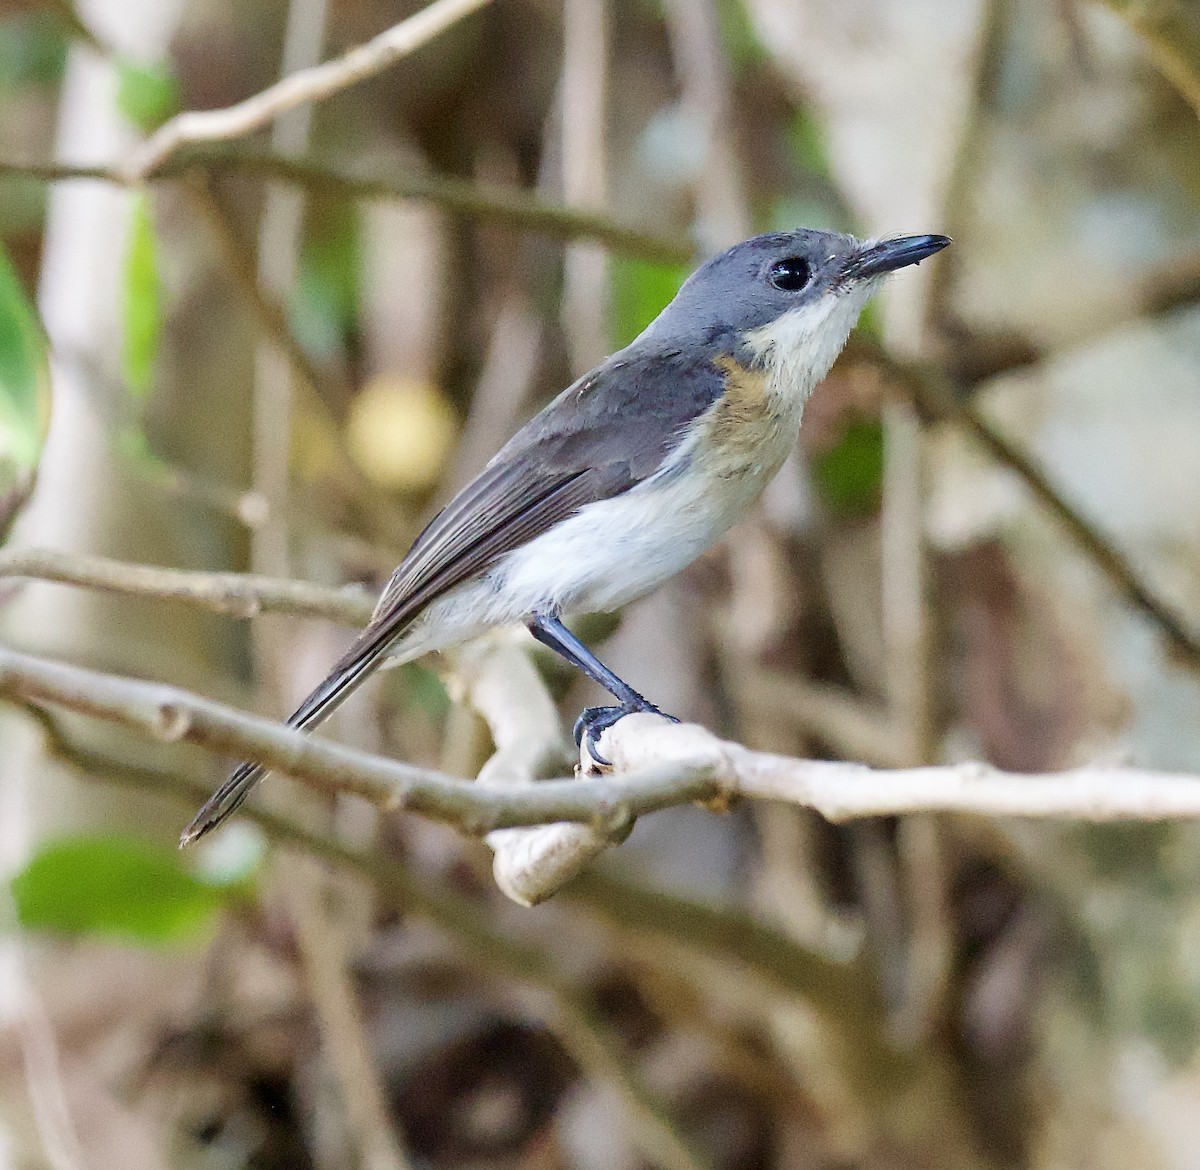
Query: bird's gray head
788,299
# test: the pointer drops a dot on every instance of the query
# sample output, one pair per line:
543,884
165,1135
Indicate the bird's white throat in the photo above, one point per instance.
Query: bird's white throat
798,348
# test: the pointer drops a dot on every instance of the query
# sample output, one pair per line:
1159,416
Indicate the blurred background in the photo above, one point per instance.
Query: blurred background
285,365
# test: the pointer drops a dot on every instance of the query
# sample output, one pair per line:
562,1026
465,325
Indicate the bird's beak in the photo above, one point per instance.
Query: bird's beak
888,255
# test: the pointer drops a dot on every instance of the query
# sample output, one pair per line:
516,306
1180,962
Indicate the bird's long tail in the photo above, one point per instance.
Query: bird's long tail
345,677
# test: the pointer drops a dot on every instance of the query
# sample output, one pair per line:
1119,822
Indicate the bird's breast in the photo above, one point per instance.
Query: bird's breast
750,429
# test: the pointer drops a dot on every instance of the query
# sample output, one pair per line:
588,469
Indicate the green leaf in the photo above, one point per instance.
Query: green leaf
24,391
147,93
641,289
324,309
424,689
33,50
849,476
806,137
869,326
118,887
742,47
143,310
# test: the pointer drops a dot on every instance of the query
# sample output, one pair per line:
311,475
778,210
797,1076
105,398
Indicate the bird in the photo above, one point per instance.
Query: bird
626,477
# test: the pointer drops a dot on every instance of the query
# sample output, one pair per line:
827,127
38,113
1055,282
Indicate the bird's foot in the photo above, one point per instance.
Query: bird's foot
593,722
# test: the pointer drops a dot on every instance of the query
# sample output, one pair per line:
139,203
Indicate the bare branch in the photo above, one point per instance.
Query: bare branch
502,684
305,85
509,206
936,398
236,594
838,790
844,791
657,765
171,714
1171,31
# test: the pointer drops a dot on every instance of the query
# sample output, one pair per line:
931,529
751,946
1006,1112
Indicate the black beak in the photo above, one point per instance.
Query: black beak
888,255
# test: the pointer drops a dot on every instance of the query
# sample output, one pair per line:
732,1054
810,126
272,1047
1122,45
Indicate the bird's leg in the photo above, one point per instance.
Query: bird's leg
594,721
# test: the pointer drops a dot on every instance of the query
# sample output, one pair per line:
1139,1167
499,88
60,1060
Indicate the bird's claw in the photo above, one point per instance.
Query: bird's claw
593,722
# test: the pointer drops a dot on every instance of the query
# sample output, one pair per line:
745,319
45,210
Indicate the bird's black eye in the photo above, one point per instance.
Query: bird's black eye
790,274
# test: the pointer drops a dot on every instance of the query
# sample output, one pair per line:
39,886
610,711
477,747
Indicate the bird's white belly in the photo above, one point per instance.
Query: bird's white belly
614,551
606,555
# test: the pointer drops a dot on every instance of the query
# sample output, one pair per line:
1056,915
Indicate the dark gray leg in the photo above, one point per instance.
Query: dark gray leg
550,631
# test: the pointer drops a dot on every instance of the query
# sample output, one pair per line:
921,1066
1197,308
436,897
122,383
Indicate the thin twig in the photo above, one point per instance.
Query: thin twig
937,399
170,714
1171,30
508,206
305,85
240,595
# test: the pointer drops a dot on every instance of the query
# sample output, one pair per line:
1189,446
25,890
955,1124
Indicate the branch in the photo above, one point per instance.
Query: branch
836,789
657,765
172,715
501,683
235,594
937,399
510,206
305,85
1171,31
842,791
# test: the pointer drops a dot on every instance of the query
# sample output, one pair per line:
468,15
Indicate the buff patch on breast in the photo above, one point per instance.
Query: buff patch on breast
746,416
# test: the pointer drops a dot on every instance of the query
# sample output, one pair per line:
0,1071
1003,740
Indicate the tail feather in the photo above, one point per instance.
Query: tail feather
341,682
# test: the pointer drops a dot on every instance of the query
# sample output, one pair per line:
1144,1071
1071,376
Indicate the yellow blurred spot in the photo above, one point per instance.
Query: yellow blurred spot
400,431
314,445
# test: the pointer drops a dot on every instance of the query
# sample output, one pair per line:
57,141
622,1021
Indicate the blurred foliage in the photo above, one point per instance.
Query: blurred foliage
143,301
33,50
24,391
849,475
641,289
323,310
738,38
424,690
805,138
147,93
119,887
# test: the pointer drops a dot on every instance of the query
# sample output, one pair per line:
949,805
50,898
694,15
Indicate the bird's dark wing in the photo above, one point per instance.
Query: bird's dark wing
600,437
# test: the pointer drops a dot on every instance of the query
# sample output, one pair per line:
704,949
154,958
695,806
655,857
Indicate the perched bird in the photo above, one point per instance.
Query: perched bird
627,476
